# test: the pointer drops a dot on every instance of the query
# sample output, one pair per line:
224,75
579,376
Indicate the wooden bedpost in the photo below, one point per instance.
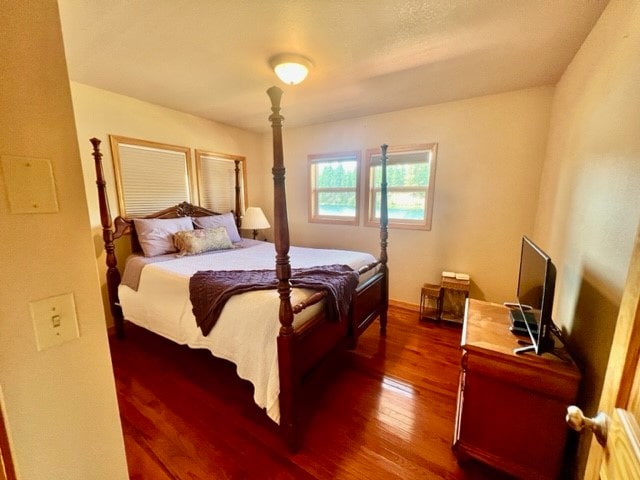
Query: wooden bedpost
237,213
281,226
384,222
286,365
113,275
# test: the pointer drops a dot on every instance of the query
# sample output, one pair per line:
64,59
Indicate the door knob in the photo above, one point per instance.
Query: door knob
599,424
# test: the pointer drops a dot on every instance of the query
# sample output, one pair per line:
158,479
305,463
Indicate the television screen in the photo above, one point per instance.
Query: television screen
536,285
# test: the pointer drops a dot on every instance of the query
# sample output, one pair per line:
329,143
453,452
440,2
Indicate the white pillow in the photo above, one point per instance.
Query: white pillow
156,234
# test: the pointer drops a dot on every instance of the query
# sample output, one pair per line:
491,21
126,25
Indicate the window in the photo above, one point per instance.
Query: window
216,174
410,185
149,176
335,188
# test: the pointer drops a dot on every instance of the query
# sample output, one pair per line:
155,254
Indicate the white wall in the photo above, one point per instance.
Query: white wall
60,403
100,113
590,198
490,155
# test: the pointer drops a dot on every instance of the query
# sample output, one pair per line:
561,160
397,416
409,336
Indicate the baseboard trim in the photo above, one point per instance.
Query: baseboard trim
407,306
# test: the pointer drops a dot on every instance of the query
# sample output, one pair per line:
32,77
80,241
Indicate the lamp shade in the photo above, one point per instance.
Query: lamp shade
254,219
291,68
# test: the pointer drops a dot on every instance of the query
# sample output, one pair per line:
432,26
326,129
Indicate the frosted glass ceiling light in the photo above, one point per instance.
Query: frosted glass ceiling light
291,68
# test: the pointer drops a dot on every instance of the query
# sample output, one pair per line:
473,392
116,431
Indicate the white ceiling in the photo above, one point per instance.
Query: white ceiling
210,57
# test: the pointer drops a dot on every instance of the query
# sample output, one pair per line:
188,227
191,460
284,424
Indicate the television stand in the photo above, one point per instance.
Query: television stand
511,408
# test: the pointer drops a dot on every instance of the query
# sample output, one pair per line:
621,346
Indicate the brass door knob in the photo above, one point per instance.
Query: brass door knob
599,424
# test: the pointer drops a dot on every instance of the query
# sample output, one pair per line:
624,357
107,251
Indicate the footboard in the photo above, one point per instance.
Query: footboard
369,303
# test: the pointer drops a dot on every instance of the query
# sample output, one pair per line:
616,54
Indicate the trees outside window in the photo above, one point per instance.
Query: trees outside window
410,179
334,188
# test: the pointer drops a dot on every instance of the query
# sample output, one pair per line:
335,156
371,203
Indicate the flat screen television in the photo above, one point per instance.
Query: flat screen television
536,286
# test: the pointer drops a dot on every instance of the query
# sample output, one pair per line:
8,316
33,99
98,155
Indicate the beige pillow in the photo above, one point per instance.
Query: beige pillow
191,242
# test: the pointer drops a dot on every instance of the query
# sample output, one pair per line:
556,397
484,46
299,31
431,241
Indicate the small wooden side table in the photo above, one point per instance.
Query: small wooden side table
430,302
454,294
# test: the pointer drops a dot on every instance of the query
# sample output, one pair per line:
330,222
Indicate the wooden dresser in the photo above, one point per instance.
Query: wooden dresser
511,408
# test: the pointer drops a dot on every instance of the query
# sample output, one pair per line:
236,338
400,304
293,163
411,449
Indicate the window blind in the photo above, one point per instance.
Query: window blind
151,179
216,183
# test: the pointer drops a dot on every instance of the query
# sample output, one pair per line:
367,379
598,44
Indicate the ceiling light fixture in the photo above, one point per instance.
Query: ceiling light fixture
291,68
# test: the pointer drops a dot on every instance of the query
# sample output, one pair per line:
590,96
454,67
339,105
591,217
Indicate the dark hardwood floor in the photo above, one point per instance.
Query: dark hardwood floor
383,411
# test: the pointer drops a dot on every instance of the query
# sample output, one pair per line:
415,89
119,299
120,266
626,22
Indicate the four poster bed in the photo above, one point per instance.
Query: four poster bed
320,303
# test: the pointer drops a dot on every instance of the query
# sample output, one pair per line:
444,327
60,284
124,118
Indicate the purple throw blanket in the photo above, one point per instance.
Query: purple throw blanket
209,290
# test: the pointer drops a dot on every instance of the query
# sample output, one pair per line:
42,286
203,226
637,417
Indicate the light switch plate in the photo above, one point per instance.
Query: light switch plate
54,320
30,184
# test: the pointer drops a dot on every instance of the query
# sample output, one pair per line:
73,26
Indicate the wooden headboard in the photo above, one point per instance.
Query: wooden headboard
184,209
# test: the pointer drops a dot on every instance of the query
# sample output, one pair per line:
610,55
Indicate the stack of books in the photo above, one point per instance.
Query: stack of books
457,276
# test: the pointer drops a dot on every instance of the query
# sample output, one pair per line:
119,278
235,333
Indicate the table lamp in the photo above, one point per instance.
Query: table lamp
255,220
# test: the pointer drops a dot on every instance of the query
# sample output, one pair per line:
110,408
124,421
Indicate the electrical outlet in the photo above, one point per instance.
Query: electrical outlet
54,320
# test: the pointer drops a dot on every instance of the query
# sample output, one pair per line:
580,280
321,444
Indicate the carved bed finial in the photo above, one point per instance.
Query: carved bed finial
275,94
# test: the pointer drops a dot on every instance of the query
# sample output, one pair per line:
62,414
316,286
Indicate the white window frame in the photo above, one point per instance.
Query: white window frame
314,160
401,155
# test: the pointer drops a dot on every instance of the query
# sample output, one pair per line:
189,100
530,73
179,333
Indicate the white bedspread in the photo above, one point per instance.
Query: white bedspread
246,331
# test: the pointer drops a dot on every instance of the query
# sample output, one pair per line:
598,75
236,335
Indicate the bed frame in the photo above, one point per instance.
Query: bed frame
300,348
